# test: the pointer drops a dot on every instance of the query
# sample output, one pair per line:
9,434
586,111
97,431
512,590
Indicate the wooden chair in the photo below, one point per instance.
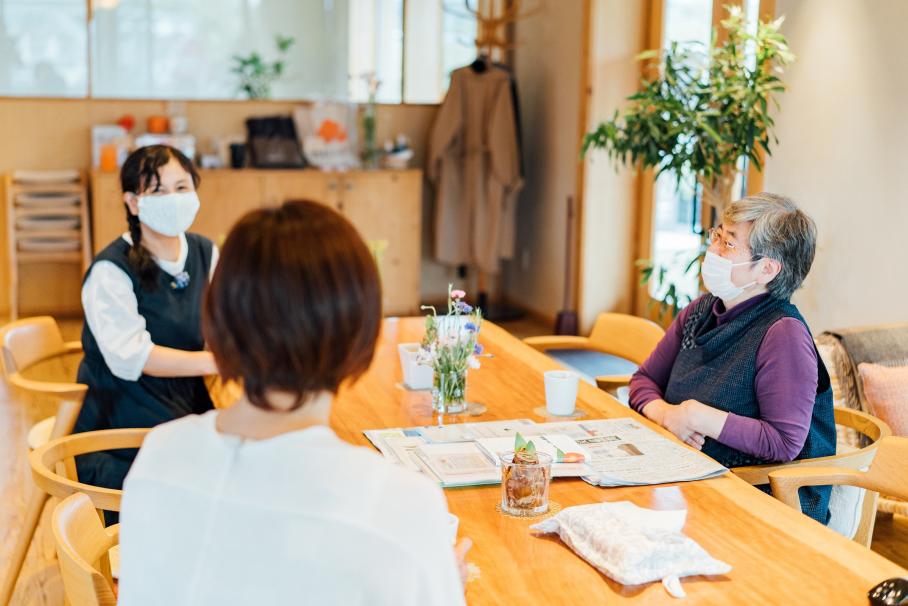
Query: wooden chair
874,431
81,542
621,335
54,468
25,344
54,465
887,474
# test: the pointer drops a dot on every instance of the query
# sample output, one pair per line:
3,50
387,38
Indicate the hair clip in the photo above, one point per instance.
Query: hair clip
180,281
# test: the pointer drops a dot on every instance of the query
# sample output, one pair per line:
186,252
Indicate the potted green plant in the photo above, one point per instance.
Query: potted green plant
703,112
257,75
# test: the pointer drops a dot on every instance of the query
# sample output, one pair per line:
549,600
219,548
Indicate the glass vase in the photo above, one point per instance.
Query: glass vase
370,146
449,391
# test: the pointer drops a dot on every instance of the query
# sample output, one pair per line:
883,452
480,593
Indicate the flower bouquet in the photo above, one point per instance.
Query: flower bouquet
450,347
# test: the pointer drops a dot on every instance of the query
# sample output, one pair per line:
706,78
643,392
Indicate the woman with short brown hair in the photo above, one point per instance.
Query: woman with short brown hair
262,502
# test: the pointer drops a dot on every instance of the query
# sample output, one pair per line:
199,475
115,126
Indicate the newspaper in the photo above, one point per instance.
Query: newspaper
617,452
624,452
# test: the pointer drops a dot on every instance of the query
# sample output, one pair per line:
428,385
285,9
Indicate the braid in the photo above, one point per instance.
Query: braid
139,257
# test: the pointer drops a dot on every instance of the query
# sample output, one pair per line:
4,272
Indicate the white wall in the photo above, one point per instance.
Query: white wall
548,64
617,37
843,155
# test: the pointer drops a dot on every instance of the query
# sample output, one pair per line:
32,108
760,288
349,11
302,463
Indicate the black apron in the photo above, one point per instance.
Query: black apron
173,319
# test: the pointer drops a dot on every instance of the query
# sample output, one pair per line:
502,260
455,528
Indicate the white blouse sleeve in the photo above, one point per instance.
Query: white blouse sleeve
112,314
215,255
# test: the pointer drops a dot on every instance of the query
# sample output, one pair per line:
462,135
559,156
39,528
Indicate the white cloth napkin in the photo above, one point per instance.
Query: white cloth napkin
633,545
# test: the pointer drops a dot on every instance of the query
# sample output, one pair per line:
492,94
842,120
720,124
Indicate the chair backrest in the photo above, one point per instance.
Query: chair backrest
874,429
863,508
625,336
81,542
887,474
28,341
60,455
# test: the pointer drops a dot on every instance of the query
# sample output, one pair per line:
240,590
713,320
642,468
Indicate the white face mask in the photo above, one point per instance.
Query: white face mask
716,272
169,214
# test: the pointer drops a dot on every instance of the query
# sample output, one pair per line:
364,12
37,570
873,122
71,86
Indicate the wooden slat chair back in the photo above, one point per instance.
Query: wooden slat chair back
82,543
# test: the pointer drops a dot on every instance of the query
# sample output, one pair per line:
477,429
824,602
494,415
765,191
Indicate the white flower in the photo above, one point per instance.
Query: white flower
473,362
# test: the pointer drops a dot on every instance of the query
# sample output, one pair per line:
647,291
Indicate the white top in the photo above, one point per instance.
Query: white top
112,312
301,518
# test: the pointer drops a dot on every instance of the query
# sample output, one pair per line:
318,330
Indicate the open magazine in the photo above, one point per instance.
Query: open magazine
616,452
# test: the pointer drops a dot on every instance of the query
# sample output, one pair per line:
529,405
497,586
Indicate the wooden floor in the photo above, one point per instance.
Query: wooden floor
40,582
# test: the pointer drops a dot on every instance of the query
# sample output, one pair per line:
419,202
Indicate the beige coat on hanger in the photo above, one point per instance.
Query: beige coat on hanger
474,165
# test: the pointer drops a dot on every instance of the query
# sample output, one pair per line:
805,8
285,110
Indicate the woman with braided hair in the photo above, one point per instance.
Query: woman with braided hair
144,353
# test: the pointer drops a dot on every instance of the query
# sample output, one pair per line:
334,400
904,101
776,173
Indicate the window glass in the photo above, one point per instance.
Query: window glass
676,217
43,48
187,49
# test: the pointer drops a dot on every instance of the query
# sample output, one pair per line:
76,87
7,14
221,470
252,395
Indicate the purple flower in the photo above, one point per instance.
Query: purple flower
477,349
471,327
463,307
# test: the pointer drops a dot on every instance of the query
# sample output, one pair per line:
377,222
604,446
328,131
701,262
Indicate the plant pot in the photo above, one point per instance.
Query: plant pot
416,376
525,487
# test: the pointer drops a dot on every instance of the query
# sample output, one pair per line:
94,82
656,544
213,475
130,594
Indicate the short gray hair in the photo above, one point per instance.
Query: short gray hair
781,231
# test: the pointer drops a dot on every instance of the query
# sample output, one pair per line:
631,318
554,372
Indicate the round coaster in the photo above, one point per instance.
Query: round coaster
474,409
554,507
542,411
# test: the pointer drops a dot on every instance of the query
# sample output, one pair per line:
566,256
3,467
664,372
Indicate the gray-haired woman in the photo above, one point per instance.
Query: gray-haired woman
737,374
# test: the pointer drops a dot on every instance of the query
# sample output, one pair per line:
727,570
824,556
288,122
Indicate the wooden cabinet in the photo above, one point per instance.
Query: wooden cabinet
385,206
386,209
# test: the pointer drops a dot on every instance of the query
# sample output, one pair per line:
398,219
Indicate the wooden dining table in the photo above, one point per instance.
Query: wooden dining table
777,555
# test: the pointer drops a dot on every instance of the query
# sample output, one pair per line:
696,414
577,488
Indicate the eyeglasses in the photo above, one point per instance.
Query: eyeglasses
717,236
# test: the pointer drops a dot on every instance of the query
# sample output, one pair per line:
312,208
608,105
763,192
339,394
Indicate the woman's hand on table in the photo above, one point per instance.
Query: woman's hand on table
691,421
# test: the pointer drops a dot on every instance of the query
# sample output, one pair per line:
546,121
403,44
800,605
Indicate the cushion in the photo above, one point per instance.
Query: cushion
846,504
848,348
886,393
591,364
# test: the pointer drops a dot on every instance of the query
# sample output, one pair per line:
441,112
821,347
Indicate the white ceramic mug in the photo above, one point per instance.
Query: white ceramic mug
561,392
416,376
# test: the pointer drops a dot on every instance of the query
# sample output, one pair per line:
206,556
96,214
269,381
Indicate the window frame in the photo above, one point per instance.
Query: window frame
643,304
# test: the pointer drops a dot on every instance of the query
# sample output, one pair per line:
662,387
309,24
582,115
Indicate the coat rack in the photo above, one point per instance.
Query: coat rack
492,38
490,23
